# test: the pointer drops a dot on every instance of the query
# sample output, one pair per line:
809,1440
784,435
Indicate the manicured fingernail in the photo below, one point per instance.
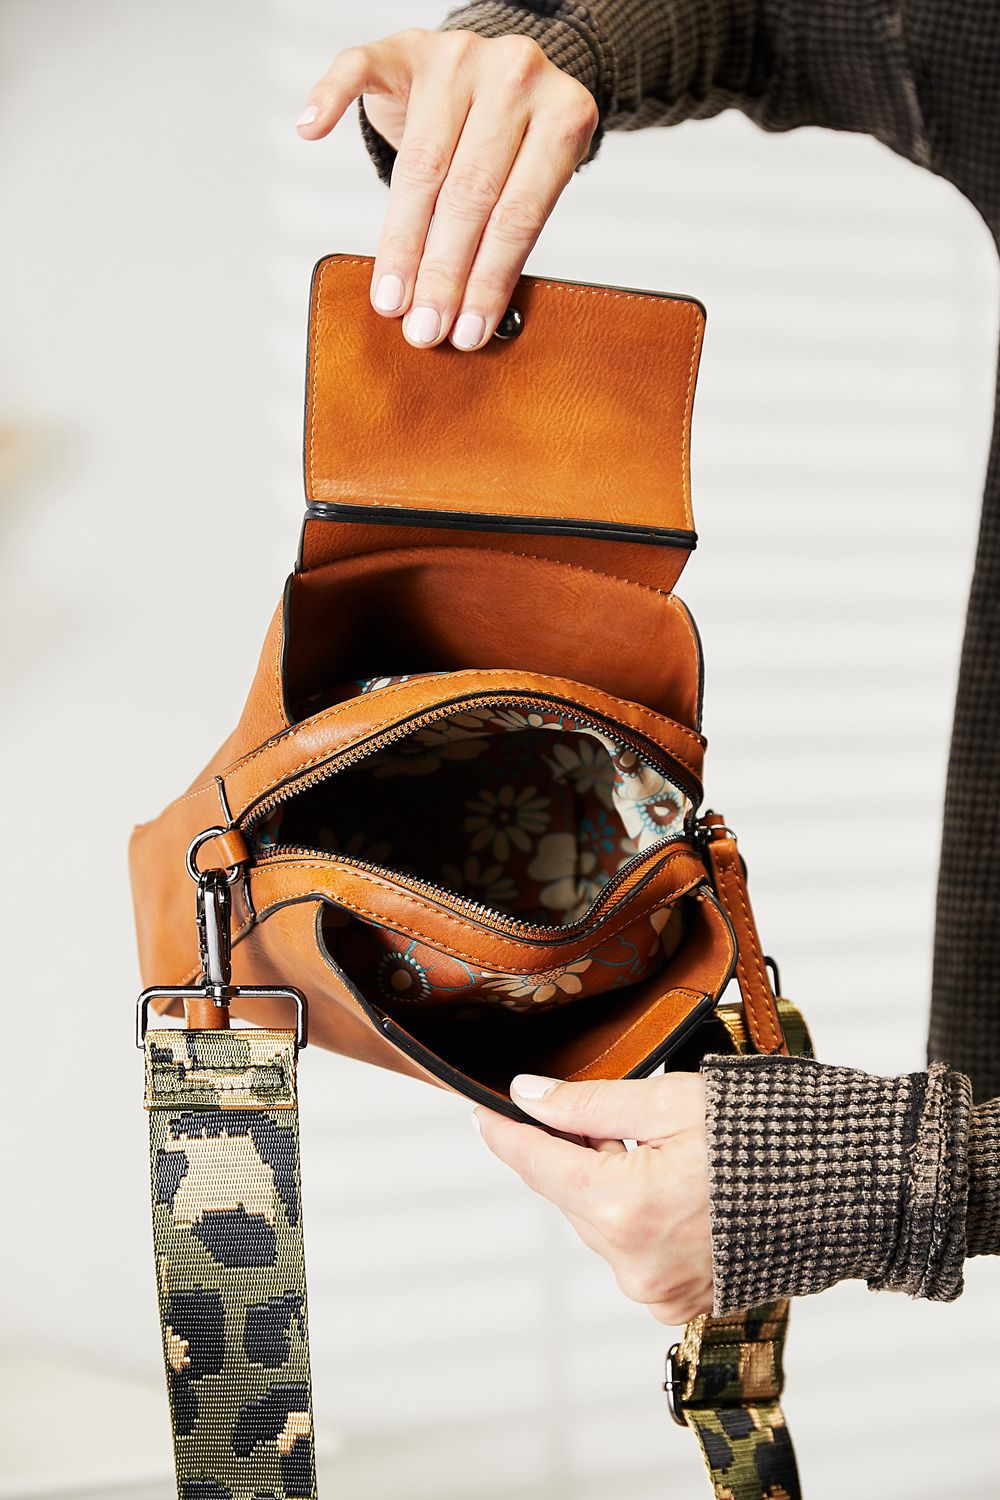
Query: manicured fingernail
475,1122
531,1086
309,116
469,330
389,291
423,325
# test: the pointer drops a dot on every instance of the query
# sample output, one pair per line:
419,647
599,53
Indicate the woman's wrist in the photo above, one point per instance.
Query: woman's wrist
572,47
820,1174
566,33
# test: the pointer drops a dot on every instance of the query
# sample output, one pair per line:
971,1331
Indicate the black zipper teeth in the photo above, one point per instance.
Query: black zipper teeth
477,911
474,909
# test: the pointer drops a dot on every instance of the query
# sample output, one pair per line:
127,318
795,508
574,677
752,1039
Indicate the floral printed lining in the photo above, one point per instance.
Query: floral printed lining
525,813
528,812
408,972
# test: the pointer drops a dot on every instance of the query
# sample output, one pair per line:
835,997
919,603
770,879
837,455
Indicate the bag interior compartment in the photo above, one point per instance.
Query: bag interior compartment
523,811
601,1035
451,608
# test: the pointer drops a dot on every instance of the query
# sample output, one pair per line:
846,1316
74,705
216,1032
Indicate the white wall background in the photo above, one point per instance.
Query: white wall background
160,222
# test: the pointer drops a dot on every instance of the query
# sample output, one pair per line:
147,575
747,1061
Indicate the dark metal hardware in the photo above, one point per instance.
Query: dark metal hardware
214,918
510,325
673,1381
191,857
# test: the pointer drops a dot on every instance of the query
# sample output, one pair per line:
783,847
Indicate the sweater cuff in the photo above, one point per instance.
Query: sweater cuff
564,31
819,1174
983,1220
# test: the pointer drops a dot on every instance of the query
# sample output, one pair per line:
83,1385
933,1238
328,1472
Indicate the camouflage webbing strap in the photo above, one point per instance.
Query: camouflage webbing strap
227,1230
726,1375
730,1390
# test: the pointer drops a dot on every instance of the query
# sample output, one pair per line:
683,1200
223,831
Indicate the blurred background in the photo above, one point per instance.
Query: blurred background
162,219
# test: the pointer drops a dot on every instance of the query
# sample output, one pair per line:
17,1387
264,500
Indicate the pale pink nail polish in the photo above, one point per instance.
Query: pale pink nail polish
389,292
423,325
531,1086
309,116
469,330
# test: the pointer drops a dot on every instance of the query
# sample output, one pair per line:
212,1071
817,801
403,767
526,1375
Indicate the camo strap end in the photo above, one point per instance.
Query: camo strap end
227,1232
730,1372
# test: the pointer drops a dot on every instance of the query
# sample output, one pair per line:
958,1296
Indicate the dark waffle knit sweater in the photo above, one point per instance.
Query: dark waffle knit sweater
821,1173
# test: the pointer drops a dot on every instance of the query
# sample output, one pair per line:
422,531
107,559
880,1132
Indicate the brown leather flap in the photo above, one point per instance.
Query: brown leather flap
571,439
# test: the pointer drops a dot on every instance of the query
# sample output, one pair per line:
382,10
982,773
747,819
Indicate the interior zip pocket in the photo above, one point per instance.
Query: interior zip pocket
524,813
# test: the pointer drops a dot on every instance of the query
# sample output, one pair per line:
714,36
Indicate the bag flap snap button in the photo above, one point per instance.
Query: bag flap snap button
510,325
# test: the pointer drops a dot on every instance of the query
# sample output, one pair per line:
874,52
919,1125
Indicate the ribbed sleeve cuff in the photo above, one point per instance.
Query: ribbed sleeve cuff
564,31
983,1218
820,1174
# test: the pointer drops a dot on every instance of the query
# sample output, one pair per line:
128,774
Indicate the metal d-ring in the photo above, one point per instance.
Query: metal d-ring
190,858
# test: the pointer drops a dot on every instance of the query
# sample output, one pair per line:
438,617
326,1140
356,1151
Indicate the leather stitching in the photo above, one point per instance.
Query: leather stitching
199,791
560,562
713,910
279,696
695,996
395,690
380,919
758,1008
673,600
394,889
329,715
694,317
448,919
686,427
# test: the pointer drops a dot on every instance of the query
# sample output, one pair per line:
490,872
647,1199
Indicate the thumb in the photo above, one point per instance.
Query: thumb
638,1109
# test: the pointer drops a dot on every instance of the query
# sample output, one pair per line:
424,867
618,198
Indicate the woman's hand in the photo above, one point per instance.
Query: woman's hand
488,133
645,1210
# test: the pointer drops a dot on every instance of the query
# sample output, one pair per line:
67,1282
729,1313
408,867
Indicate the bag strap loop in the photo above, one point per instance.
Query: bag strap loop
729,879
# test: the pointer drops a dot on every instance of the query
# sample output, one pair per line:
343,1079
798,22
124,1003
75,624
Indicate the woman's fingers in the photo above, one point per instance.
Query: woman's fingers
487,146
548,155
434,119
377,67
511,164
645,1211
641,1109
491,131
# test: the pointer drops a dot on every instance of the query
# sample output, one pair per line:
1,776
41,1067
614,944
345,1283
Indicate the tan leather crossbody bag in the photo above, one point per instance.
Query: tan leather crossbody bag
458,827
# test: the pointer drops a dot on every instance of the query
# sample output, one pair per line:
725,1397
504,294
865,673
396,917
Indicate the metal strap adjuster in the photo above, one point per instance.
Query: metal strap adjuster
673,1382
